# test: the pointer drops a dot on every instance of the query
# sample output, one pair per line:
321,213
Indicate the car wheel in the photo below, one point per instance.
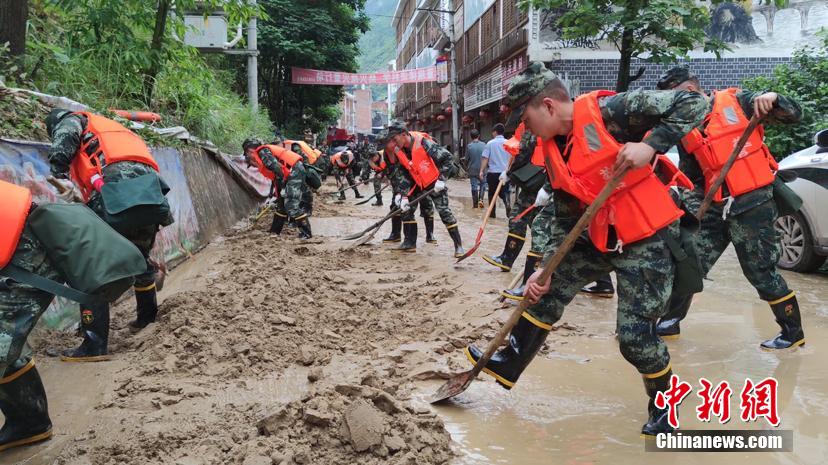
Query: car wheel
797,244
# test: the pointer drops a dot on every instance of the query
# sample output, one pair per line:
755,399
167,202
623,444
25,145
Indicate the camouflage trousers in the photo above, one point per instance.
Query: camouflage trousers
347,174
22,305
377,181
645,278
438,201
525,199
542,223
753,236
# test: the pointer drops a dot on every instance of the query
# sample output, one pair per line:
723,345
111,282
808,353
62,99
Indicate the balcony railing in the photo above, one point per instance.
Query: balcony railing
431,95
501,49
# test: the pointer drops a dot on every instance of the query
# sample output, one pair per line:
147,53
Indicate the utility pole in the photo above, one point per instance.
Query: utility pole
392,66
252,63
453,90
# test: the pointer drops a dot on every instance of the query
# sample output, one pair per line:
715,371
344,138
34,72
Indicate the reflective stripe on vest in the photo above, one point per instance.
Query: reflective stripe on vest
15,201
421,166
755,166
115,142
639,207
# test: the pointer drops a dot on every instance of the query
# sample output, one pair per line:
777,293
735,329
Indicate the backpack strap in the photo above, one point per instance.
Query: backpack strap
47,285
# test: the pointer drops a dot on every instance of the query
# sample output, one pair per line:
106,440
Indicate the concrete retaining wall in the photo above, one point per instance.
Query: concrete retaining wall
209,192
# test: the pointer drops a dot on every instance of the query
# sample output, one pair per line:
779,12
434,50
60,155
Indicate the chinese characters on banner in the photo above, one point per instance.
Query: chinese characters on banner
756,400
337,78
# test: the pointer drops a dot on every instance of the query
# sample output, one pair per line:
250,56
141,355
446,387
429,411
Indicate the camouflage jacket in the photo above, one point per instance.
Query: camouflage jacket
667,115
785,111
401,179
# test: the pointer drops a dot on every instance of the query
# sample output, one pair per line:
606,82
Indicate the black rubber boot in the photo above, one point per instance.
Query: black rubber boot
409,244
378,202
278,223
147,307
504,261
95,330
532,262
602,288
786,311
303,224
342,195
23,402
475,198
508,363
396,226
656,417
429,227
357,194
454,233
669,325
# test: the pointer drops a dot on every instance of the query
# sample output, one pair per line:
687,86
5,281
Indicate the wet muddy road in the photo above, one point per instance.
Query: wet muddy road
173,398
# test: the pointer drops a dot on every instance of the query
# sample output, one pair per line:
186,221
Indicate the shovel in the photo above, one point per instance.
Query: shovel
379,223
460,382
350,187
479,238
369,198
737,149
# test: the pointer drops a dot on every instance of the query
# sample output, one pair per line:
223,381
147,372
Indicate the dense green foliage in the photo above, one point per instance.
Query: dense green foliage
322,34
806,80
101,53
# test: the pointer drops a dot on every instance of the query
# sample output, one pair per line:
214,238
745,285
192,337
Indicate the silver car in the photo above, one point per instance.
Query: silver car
804,235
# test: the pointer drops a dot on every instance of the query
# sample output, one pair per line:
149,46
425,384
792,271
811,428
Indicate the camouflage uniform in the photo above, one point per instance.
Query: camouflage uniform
445,162
747,221
66,140
22,305
645,268
294,203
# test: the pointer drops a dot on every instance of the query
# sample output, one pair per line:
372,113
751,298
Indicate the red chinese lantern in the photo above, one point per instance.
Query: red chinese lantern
448,110
504,109
467,119
483,114
441,117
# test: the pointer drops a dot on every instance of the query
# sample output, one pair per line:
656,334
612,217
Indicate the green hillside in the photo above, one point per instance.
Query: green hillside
378,45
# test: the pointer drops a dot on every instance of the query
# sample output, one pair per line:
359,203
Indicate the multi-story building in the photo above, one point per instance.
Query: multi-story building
495,40
347,113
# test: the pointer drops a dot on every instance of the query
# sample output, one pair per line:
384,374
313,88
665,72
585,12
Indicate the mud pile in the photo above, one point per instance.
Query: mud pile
292,352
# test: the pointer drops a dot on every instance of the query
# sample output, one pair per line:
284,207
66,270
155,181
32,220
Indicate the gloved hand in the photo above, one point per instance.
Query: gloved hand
282,193
67,193
439,186
542,199
397,199
504,178
270,202
404,205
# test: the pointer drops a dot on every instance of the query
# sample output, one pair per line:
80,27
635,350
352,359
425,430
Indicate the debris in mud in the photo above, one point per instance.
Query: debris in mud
357,424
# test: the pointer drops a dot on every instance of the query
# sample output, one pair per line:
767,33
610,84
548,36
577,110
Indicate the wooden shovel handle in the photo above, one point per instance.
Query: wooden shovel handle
550,266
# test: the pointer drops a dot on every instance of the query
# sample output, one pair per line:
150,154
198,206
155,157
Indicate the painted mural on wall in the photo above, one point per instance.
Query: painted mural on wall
25,164
750,28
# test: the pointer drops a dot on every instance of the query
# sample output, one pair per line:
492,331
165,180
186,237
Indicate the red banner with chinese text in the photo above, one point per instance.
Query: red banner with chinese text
338,78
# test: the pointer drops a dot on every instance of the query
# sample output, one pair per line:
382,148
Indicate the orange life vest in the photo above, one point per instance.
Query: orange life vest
16,202
115,142
337,159
421,166
513,147
311,154
639,207
379,167
286,158
712,145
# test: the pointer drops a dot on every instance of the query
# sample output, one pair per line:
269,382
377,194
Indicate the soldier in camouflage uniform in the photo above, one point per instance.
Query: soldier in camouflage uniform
645,123
408,188
344,162
68,133
373,162
22,396
288,195
746,220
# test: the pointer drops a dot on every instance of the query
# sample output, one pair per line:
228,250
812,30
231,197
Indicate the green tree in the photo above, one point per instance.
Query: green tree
660,31
806,80
322,34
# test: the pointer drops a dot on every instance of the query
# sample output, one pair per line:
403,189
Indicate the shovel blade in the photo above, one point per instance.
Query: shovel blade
354,236
454,386
468,253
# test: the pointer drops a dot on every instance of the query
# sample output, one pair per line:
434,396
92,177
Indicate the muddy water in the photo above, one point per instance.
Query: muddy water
583,404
